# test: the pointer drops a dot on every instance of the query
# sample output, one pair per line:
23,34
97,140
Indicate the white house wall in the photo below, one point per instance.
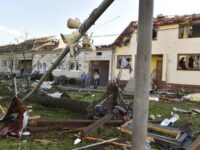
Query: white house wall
84,59
16,57
4,57
169,45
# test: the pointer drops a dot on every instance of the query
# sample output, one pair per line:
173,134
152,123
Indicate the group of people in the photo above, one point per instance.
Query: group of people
192,63
86,80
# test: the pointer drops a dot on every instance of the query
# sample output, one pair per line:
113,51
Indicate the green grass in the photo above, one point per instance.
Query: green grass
61,140
52,113
165,109
85,96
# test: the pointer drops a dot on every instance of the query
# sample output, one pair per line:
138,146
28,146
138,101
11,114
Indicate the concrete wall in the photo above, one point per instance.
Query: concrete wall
169,45
83,60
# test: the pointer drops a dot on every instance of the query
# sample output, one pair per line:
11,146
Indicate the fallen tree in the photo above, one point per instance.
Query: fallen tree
66,103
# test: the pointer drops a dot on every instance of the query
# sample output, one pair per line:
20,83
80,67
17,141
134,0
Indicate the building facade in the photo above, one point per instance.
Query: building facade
175,51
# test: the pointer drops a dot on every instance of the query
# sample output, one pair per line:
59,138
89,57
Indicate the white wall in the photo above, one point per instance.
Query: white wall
170,46
16,57
84,59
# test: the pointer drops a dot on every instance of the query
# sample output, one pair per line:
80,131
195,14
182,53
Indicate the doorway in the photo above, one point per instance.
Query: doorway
102,68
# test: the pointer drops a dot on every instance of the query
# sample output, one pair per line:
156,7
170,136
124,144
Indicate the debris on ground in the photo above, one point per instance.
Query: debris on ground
195,145
46,85
154,98
192,97
181,110
2,109
111,110
95,144
166,137
55,95
168,122
15,119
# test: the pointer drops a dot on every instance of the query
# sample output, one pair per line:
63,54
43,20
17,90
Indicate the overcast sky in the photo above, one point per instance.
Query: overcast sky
41,18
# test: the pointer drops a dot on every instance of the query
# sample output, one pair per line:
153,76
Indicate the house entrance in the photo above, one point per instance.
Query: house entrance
156,69
26,65
102,68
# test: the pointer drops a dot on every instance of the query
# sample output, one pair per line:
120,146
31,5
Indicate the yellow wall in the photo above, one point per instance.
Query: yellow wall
124,50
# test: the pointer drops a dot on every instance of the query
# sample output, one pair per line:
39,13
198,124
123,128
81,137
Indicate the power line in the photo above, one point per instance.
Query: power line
106,22
97,36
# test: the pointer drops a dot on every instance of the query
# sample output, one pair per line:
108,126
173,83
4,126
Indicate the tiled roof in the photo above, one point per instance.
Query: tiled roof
125,37
168,20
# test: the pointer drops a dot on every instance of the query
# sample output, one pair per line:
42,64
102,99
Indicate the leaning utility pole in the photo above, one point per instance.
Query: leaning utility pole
82,30
142,73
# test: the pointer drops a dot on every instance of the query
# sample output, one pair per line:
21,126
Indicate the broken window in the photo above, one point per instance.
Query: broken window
189,31
4,63
121,58
73,65
98,53
194,30
188,62
181,31
154,34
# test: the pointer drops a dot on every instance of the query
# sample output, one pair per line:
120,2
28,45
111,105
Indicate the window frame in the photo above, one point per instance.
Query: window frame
195,64
121,56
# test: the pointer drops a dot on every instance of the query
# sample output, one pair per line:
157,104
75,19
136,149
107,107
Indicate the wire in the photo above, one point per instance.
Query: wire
106,22
97,36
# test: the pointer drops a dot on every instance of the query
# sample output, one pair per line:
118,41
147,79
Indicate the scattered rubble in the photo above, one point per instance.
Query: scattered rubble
15,120
168,122
192,97
109,111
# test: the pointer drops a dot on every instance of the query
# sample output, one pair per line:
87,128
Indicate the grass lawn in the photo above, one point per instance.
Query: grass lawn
61,140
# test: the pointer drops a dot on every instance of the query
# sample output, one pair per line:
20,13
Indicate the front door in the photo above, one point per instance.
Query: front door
158,78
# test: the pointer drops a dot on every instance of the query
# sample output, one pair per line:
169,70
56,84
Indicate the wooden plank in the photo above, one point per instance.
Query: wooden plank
195,145
99,123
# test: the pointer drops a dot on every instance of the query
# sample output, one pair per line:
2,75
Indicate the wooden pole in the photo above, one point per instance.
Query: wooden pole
83,29
142,73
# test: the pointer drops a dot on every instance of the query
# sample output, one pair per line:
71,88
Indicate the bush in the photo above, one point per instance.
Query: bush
73,81
61,80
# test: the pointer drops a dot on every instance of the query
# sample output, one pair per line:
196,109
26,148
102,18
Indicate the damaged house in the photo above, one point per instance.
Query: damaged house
88,61
37,55
25,56
175,60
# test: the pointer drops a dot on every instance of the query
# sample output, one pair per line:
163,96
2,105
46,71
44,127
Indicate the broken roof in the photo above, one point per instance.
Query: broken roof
124,38
39,44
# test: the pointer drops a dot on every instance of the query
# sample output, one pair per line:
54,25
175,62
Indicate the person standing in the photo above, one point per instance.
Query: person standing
96,80
191,62
83,79
182,64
